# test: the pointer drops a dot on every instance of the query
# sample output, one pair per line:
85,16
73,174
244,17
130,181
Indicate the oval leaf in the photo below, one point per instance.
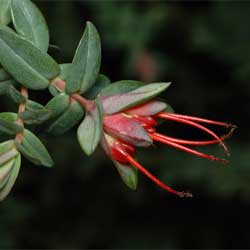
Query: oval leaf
12,178
30,23
7,152
72,115
5,17
116,103
9,128
58,104
90,131
86,62
27,64
120,87
34,150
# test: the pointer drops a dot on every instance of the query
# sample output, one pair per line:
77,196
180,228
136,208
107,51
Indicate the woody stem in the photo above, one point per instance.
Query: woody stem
21,109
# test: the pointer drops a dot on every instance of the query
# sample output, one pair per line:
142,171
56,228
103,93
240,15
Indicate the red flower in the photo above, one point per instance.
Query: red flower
136,127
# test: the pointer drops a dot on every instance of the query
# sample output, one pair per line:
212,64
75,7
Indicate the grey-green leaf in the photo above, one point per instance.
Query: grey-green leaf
7,151
27,64
102,81
86,63
9,128
58,104
30,23
4,191
69,118
35,116
4,86
120,87
34,150
4,75
15,95
5,17
90,131
116,103
128,174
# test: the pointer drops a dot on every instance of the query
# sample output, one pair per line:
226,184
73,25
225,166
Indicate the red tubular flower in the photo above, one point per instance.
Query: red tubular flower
136,127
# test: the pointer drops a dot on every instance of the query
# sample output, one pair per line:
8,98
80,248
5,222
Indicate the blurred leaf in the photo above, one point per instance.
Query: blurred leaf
34,150
119,102
102,81
26,63
58,104
4,75
7,151
5,85
86,62
90,131
9,128
15,95
128,174
5,17
69,118
4,191
30,23
35,116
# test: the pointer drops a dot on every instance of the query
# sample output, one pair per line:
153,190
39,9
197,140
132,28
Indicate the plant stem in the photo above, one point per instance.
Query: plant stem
21,109
61,86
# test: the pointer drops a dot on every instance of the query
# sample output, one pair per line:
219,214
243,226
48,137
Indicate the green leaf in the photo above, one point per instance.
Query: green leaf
35,116
64,70
101,82
15,95
31,105
10,128
90,131
5,17
71,116
34,150
7,152
8,116
128,174
58,104
4,75
27,64
120,87
86,62
5,170
30,23
12,178
116,103
4,86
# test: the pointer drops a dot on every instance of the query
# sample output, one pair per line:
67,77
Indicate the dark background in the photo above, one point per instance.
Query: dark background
204,49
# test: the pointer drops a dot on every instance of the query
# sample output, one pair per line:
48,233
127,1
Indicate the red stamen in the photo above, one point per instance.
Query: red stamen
167,116
163,140
155,180
193,143
198,119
